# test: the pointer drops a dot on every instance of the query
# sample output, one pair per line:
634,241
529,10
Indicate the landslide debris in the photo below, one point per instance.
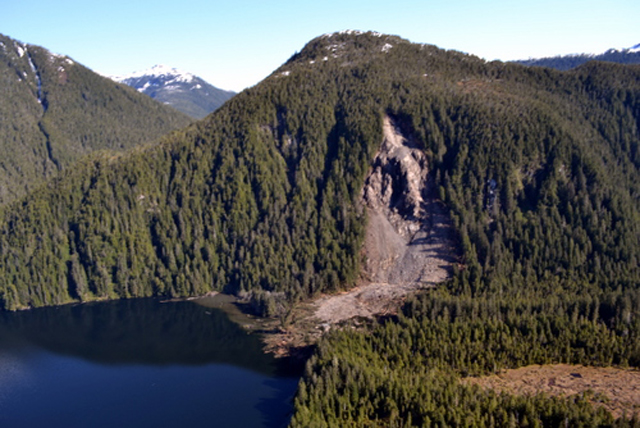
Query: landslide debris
409,244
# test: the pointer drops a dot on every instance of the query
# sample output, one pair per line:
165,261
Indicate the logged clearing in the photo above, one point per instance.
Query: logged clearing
616,389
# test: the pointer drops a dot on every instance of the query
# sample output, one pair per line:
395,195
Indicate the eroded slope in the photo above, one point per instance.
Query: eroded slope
409,241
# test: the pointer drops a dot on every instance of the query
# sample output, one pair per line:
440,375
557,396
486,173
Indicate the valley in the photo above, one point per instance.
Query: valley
56,111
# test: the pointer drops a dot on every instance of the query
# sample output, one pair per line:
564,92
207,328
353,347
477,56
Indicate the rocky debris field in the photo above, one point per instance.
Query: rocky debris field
409,245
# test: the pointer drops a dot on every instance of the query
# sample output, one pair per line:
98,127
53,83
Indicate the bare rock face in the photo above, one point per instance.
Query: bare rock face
408,240
395,186
409,243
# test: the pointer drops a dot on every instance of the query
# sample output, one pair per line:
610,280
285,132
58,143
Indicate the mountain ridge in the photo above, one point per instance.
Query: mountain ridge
261,152
566,62
536,170
55,110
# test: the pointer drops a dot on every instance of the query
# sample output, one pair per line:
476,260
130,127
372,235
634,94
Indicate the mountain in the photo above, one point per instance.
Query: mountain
55,110
266,193
273,196
567,62
183,91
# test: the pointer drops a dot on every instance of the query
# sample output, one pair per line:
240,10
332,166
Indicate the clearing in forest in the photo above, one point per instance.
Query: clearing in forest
616,389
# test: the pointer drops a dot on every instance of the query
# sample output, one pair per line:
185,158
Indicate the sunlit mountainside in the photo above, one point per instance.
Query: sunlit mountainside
274,197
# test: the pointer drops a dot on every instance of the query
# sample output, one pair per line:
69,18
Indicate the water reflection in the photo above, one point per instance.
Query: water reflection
139,331
137,363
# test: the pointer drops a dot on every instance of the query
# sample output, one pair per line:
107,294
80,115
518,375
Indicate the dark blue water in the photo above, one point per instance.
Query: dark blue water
137,363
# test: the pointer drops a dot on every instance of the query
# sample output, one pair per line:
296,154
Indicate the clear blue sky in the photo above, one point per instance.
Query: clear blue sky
236,43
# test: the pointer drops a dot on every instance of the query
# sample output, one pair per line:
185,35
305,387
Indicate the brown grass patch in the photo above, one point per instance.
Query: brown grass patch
616,389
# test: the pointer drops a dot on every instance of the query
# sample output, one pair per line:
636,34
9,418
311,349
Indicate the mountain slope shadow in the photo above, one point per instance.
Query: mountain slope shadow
139,331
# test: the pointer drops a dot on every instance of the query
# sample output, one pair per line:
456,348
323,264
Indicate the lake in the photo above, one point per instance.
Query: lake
137,363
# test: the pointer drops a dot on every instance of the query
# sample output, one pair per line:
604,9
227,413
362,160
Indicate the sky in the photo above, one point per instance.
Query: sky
234,44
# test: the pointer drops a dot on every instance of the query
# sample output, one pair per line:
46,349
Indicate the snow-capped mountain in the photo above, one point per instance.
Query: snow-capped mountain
567,62
634,49
183,91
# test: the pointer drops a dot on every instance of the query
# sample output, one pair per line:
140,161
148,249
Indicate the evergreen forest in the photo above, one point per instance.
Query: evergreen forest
540,171
53,111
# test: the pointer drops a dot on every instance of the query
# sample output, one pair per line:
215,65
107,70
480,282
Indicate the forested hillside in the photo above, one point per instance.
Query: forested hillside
539,168
54,111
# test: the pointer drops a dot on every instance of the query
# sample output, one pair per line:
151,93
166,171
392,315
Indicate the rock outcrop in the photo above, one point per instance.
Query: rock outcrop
409,243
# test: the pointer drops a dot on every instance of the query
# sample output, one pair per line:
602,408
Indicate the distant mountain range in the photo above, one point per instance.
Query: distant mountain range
567,62
183,91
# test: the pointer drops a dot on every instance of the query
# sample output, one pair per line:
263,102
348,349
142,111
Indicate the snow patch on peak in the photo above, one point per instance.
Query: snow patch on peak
352,33
172,75
61,57
631,50
144,87
20,49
